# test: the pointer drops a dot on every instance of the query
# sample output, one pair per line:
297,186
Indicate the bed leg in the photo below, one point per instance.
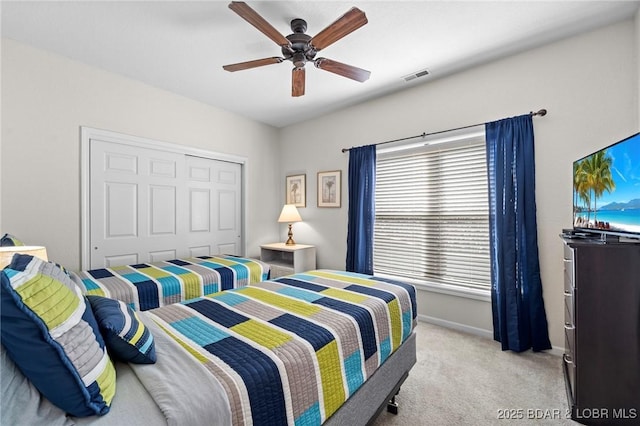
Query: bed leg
392,405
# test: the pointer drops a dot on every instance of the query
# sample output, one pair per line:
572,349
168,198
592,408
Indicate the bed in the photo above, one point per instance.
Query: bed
320,347
150,285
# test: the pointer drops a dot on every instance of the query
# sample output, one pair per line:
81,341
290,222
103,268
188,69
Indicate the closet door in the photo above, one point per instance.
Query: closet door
149,205
214,224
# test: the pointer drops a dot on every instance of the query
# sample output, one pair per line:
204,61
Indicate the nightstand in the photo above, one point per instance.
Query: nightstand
286,260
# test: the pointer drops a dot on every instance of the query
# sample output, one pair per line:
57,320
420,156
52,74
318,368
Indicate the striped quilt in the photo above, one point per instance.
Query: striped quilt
150,285
292,350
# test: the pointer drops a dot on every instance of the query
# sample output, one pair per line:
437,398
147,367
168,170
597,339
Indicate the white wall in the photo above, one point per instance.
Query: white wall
45,100
588,83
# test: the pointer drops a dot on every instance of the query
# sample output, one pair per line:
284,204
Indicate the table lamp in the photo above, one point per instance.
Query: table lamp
289,214
7,252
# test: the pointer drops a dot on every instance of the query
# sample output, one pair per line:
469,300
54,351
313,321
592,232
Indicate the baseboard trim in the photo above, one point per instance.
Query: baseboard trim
457,326
555,350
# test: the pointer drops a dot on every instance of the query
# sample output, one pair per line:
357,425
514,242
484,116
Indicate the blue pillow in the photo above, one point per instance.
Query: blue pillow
126,336
50,333
10,241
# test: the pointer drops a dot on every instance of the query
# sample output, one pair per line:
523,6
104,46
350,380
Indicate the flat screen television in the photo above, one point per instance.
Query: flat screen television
606,190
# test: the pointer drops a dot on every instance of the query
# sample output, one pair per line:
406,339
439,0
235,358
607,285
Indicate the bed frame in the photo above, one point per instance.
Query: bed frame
375,394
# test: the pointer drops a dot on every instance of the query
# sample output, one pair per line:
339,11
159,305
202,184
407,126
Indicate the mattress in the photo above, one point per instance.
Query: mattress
151,285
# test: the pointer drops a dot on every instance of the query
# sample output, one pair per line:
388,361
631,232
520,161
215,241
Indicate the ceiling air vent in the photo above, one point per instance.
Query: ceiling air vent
415,75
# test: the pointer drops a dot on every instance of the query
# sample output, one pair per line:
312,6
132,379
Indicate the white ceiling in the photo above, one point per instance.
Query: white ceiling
181,46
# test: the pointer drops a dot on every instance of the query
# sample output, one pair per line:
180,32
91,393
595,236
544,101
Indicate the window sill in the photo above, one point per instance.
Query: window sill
469,293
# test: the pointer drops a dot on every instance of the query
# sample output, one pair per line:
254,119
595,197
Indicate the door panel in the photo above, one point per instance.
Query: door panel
121,213
226,248
227,211
159,256
200,208
133,202
162,168
199,172
148,205
117,260
220,208
121,163
201,251
162,210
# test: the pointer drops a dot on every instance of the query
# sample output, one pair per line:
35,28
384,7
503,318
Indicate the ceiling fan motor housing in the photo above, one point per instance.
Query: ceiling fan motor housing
301,50
299,25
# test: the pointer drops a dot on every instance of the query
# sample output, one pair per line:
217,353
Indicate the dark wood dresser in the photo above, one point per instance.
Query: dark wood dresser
602,331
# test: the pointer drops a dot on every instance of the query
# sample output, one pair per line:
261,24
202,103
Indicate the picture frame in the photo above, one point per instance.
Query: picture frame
330,188
296,190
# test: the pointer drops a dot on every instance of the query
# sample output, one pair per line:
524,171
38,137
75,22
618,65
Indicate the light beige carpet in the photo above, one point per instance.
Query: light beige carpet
462,379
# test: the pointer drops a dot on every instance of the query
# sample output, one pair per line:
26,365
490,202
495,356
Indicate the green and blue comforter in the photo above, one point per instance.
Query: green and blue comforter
150,285
291,350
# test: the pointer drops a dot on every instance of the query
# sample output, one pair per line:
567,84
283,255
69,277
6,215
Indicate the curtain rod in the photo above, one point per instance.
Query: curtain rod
541,113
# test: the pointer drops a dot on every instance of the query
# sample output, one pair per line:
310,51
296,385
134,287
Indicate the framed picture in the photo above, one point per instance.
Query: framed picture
329,188
296,190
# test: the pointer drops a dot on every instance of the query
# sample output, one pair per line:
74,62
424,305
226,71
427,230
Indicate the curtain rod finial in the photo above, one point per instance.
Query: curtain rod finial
541,112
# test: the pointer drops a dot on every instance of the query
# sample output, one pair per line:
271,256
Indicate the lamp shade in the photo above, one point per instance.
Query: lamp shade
289,214
6,253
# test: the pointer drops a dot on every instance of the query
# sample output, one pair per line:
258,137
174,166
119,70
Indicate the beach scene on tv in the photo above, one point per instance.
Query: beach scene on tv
606,188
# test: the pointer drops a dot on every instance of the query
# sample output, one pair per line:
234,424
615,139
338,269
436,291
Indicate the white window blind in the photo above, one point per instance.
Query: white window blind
432,222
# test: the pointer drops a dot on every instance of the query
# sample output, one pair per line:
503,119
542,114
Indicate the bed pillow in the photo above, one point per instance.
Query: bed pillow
9,241
50,333
126,336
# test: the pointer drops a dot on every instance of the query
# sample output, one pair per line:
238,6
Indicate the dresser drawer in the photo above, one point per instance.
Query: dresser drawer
569,308
569,368
569,278
568,252
570,342
569,326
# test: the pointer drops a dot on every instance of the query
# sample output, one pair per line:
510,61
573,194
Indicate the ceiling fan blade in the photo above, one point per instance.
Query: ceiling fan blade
346,24
297,82
252,64
252,17
349,71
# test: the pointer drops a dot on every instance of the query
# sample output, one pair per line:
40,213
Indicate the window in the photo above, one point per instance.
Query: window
432,214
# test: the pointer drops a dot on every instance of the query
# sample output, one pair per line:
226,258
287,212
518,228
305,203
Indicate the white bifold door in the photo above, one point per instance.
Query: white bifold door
150,205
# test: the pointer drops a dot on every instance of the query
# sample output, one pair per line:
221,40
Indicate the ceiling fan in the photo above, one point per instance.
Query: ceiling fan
300,48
